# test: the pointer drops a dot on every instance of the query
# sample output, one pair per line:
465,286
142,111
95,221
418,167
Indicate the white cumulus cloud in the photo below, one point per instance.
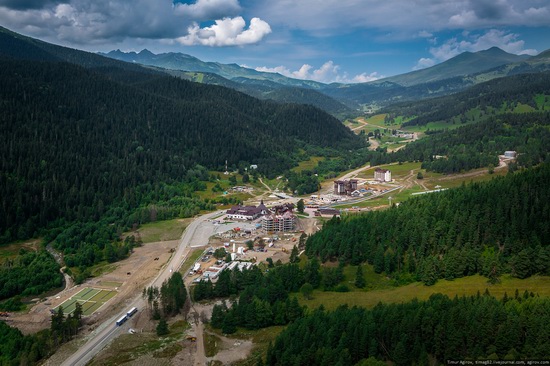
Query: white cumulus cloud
227,32
84,22
329,72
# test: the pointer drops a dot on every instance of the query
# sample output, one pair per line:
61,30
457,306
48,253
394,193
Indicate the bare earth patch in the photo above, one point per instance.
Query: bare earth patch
134,273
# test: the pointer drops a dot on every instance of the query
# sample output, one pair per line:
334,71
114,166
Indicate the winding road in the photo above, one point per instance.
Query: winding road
108,331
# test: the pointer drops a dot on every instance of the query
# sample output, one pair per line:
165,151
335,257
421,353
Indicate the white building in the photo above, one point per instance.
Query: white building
382,175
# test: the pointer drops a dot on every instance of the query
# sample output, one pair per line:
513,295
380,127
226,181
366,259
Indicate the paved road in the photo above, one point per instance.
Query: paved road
107,331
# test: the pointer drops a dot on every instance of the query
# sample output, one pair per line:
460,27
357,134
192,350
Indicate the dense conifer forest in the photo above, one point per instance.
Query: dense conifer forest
440,329
491,228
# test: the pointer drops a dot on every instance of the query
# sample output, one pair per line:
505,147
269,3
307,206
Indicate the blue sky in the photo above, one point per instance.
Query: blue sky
323,40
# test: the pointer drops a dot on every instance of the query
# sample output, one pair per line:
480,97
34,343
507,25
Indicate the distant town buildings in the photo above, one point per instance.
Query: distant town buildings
345,187
382,175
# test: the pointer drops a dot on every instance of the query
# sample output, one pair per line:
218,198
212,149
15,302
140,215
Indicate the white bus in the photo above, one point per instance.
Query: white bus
131,312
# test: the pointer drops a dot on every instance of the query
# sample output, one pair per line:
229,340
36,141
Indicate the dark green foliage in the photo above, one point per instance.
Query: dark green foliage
473,229
263,298
331,278
12,304
18,349
360,278
306,290
167,301
479,144
162,328
300,206
90,151
311,272
294,255
31,273
405,334
303,182
220,253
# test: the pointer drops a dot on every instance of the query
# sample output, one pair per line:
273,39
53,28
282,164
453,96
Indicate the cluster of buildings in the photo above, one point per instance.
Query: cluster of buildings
279,218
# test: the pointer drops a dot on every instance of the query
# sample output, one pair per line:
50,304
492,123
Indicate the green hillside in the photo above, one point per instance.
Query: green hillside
502,95
459,232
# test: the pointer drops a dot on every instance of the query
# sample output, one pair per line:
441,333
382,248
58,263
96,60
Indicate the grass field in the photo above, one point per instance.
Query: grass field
459,287
308,164
10,251
91,299
110,284
163,230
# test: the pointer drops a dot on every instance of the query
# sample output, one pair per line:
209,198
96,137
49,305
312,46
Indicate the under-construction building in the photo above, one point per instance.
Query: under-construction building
282,220
345,187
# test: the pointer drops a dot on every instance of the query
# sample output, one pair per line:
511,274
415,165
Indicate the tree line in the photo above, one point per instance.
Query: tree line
468,328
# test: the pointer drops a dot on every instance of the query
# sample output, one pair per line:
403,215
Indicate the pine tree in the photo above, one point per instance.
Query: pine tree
162,327
294,255
359,278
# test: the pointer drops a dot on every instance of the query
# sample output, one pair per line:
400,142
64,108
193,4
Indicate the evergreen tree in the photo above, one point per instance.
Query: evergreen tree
294,255
306,290
300,206
359,278
162,328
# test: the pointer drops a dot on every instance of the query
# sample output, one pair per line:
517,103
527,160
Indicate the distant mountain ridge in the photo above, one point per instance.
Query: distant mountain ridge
451,76
466,63
185,62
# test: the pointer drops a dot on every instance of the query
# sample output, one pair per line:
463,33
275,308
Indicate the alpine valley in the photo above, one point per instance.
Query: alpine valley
158,209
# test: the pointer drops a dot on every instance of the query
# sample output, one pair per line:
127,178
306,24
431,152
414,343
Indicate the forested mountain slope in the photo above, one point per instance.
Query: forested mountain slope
491,228
479,145
492,97
74,140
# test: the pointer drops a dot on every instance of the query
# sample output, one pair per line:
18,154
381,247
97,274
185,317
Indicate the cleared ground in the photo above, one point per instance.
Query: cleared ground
91,300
